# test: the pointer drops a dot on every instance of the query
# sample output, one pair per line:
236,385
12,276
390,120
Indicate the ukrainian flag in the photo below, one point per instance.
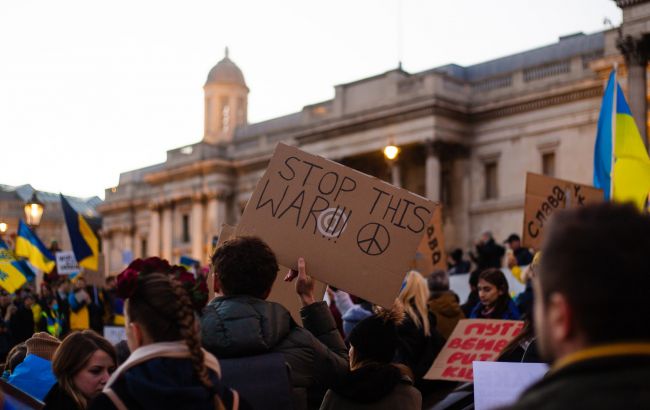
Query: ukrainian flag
84,241
618,141
29,246
11,276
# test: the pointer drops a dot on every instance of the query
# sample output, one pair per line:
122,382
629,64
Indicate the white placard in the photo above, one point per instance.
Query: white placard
114,334
66,263
498,384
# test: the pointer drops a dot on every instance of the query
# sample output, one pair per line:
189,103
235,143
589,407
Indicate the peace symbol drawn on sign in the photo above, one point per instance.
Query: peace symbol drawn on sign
373,239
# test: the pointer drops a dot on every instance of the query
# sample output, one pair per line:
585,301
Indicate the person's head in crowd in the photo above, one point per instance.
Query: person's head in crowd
63,286
161,302
438,283
15,357
82,365
414,297
111,283
79,283
486,237
28,300
46,291
244,266
375,339
123,351
457,256
513,241
593,279
473,280
493,288
43,345
5,298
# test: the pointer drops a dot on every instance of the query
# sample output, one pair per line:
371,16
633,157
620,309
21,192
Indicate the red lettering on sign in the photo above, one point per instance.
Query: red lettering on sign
500,345
485,344
480,328
454,343
454,357
450,371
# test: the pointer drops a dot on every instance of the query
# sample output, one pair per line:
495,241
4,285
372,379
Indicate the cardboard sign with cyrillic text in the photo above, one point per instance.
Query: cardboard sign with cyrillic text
431,253
544,195
472,340
356,232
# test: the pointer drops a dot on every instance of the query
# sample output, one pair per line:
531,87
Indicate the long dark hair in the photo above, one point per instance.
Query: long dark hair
72,355
162,306
498,279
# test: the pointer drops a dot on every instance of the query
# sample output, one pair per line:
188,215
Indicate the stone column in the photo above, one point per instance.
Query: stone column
153,242
106,250
166,237
196,229
432,170
137,245
128,242
636,51
395,174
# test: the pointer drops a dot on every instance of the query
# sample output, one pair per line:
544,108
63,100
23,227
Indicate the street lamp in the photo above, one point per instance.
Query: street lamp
3,228
33,211
390,153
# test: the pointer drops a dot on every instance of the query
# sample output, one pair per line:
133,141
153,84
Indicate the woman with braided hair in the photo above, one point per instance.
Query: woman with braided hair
167,368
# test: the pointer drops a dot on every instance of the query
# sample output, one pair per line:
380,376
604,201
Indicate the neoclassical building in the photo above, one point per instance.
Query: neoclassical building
467,137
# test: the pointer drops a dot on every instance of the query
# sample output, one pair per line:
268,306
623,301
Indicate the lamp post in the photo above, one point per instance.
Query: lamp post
33,211
390,153
3,229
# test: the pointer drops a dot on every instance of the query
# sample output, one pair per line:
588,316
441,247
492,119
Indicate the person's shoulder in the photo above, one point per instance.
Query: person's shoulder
102,402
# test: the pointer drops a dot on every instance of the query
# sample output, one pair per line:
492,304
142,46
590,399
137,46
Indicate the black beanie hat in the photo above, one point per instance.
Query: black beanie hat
374,338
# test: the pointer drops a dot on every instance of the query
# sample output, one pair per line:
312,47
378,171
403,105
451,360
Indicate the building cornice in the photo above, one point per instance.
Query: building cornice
204,167
627,3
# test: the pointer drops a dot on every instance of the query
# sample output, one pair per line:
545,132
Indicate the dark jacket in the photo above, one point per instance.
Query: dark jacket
374,386
488,255
448,312
21,324
415,350
510,312
524,256
238,326
163,384
615,382
58,399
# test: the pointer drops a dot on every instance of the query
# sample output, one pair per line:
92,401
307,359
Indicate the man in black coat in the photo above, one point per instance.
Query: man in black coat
591,314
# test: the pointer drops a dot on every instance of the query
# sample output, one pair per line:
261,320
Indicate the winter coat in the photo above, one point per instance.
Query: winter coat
605,382
161,376
21,325
415,350
58,399
447,311
509,313
489,255
33,376
523,256
374,386
239,326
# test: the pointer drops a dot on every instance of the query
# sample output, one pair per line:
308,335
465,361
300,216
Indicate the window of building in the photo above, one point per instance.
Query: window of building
225,115
548,164
491,180
144,245
186,228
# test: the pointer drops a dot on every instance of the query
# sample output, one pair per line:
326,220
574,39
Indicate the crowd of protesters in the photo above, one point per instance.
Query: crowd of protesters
239,350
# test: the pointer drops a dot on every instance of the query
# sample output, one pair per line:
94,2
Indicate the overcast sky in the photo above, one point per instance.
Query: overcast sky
89,89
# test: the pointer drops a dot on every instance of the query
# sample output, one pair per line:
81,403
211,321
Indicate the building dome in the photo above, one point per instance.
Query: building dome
226,72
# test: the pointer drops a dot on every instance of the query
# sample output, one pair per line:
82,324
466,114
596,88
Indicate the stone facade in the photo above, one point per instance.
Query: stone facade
467,135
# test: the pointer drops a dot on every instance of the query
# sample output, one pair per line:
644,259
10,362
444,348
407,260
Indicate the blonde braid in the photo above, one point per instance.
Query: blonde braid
188,330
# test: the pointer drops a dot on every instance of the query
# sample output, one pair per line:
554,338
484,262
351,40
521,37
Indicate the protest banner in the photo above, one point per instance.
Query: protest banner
114,334
66,263
544,195
356,232
431,253
282,292
472,340
498,384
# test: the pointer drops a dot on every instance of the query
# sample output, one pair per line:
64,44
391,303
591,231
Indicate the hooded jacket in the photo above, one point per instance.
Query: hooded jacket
239,326
448,312
373,386
157,376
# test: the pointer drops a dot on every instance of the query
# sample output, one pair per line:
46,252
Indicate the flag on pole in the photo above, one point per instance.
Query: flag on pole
11,274
84,241
621,162
29,246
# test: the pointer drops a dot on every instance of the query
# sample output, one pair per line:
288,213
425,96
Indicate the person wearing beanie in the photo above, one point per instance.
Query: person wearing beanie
373,382
34,375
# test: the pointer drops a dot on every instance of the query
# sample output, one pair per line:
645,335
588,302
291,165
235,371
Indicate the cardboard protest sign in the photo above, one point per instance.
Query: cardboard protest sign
356,232
66,263
472,340
498,385
282,292
544,195
431,253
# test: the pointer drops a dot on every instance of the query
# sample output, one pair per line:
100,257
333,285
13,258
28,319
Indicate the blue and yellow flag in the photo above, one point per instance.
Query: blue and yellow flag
617,132
11,275
84,241
29,246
